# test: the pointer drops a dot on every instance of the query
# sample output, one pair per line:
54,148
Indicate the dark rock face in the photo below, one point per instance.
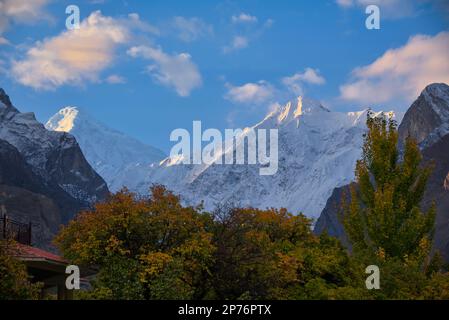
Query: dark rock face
55,156
425,121
5,98
438,192
44,177
68,167
329,219
25,198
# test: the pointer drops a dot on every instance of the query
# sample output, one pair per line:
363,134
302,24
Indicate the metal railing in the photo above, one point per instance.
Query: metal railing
14,230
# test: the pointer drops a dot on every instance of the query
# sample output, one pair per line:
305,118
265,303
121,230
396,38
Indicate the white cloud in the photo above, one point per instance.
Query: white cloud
295,82
269,23
388,8
134,22
21,11
345,3
115,79
238,42
3,41
256,93
2,67
191,29
243,18
74,56
400,74
177,71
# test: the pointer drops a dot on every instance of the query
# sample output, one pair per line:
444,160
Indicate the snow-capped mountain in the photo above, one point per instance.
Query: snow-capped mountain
109,151
55,156
44,177
318,150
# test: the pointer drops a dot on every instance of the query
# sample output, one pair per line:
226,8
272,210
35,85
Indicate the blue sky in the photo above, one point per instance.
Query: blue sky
148,67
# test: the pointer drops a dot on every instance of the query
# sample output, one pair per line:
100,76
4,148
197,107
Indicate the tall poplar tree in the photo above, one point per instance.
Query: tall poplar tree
384,217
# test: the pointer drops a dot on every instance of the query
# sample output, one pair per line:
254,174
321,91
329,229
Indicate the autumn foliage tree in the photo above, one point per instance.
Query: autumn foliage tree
145,248
252,258
155,248
15,282
274,254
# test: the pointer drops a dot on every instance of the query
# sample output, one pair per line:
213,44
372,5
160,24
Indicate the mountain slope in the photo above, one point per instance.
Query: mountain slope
26,198
43,165
109,151
317,151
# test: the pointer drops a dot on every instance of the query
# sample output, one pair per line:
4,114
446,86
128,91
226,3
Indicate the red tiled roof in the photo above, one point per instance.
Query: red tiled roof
31,253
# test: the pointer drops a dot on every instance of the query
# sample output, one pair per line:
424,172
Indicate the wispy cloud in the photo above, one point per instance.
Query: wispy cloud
3,41
238,42
191,29
244,18
250,93
21,11
295,82
2,66
264,92
392,9
115,79
246,29
400,74
176,71
345,3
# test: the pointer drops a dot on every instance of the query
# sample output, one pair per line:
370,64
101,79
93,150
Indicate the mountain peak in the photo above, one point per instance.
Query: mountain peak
64,120
108,151
427,120
437,89
4,98
437,96
296,108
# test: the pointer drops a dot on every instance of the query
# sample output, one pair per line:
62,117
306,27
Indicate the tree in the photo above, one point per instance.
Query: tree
273,254
251,260
14,280
384,218
145,248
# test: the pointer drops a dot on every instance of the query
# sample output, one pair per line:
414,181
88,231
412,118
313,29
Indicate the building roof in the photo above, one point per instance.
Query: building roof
28,253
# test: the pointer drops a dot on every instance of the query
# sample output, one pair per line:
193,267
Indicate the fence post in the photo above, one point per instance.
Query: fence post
29,234
4,227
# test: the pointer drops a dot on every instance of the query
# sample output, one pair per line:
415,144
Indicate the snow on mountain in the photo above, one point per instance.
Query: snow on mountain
318,150
109,151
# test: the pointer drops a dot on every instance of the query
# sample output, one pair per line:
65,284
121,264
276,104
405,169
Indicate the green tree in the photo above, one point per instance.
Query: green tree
384,218
384,222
